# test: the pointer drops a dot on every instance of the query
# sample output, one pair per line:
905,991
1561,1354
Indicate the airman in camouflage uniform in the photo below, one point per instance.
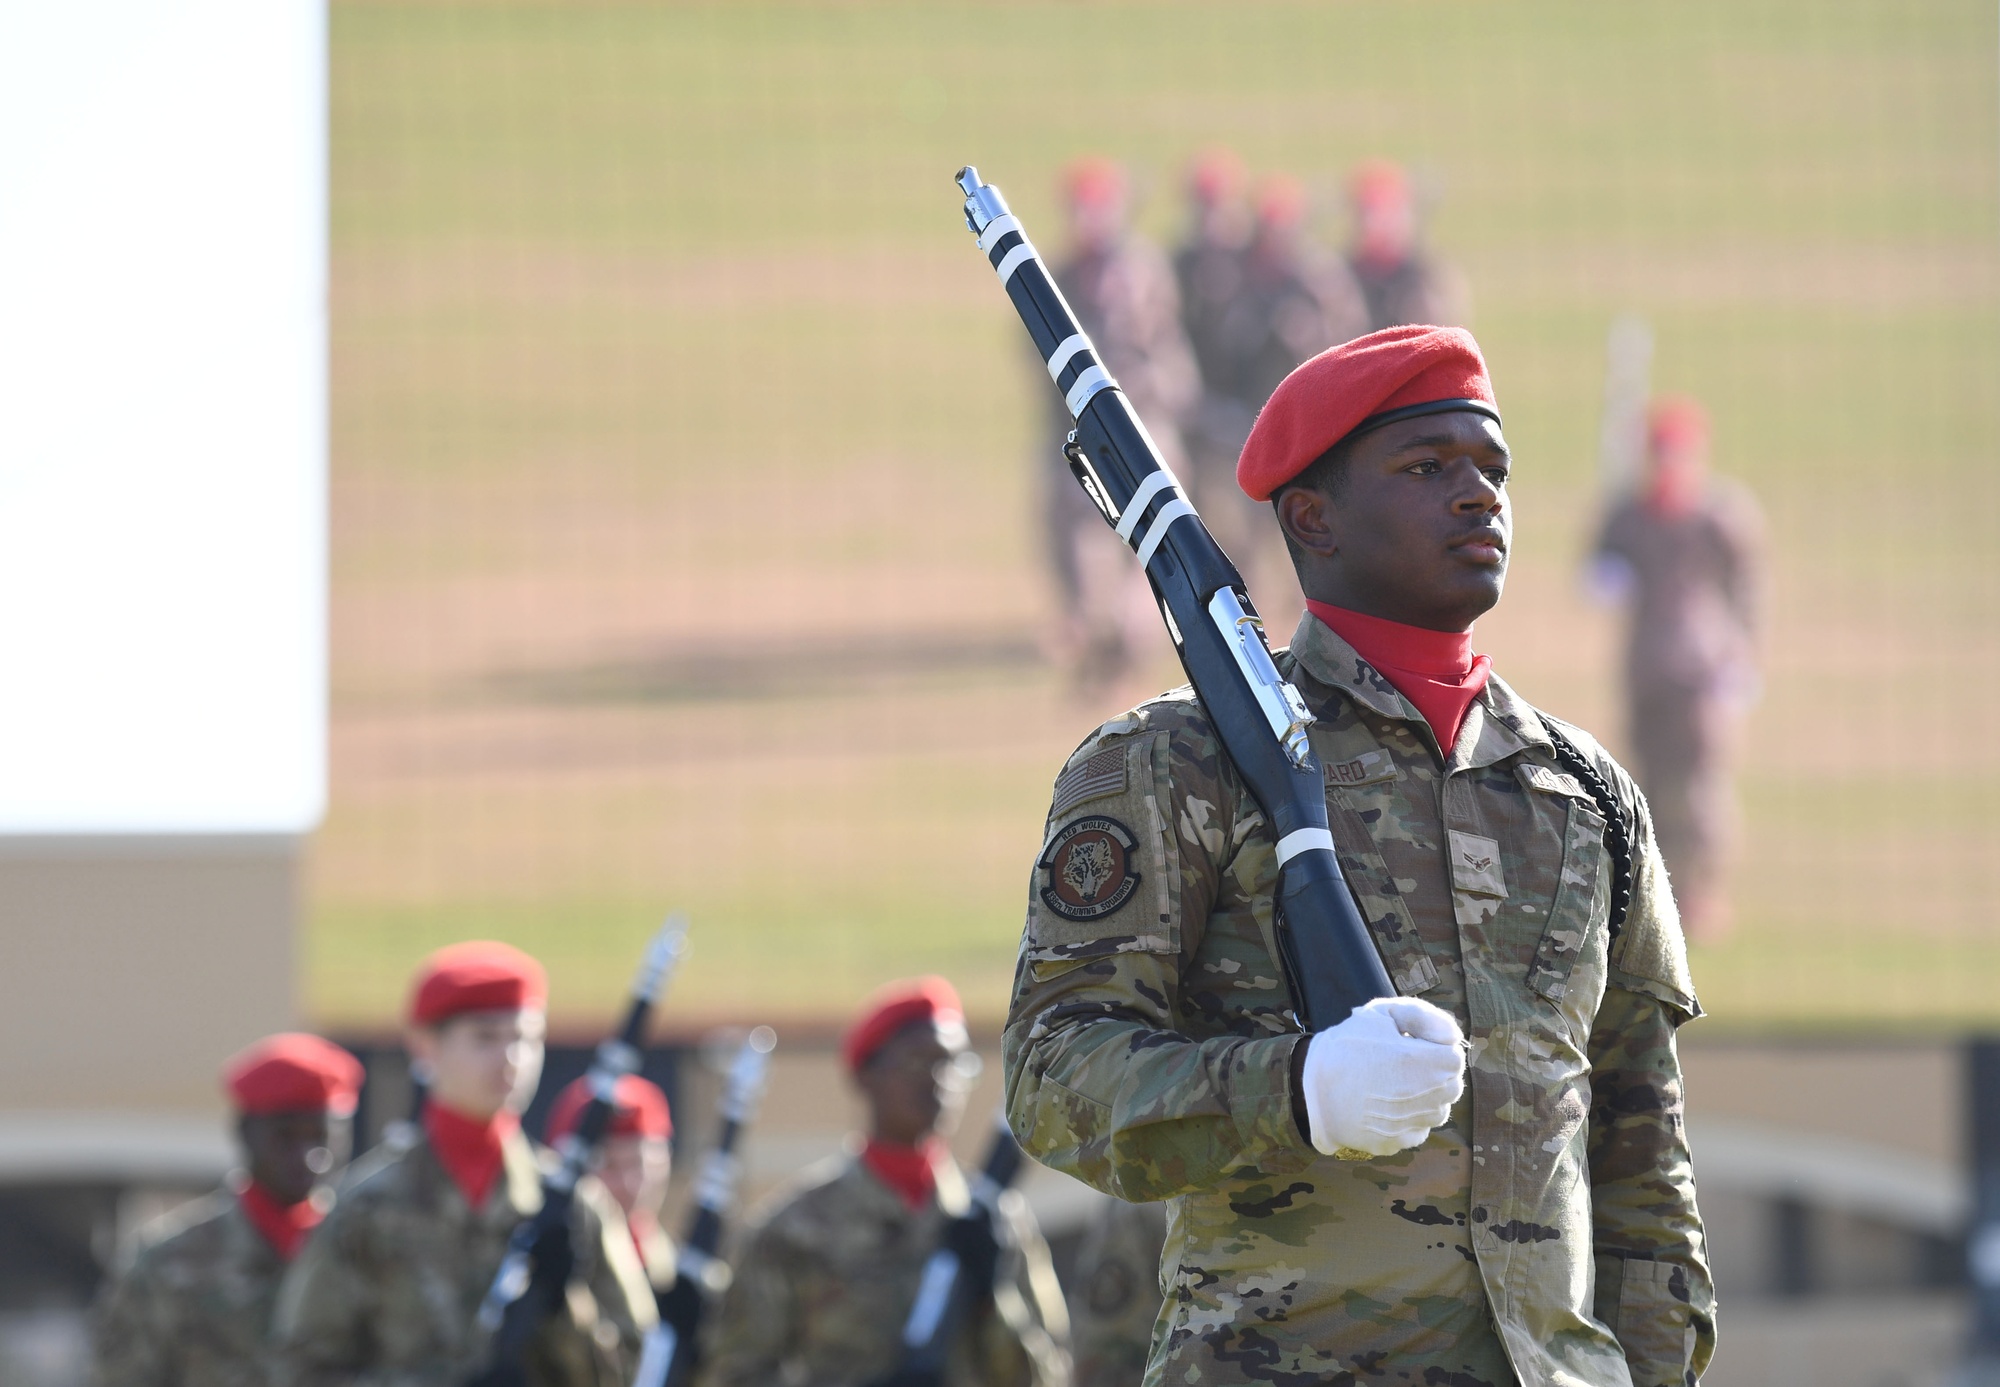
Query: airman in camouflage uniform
1122,289
827,1278
1545,1231
1117,1297
1687,549
1400,280
388,1290
195,1309
635,1165
1252,319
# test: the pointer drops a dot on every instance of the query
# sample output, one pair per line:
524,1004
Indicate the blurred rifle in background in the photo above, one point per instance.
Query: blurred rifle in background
1621,431
673,1349
959,1274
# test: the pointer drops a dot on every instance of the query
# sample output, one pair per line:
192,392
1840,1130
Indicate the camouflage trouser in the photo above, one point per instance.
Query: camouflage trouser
1680,744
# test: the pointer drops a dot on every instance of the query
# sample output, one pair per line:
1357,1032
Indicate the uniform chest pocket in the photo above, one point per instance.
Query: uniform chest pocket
1575,911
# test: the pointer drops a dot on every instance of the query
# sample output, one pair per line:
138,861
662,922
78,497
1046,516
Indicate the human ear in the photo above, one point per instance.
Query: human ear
1304,514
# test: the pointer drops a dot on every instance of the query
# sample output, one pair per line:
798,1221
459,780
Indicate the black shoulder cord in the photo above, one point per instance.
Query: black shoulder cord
1617,833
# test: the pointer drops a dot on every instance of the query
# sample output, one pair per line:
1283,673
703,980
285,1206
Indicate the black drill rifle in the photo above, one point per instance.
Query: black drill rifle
959,1274
673,1350
1257,714
530,1283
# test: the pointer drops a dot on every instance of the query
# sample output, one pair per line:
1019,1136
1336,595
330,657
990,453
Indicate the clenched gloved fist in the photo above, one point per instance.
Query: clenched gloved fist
1380,1080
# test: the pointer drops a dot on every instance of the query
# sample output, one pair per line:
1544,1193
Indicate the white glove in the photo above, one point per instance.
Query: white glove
1380,1080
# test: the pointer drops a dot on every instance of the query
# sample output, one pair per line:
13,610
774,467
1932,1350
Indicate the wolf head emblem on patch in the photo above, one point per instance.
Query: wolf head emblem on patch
1087,869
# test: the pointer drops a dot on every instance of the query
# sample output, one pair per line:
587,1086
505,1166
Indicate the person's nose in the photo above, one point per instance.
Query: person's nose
1477,494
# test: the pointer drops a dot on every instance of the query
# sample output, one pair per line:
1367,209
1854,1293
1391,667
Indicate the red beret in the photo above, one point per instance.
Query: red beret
1376,182
1215,174
1354,385
898,1005
476,976
638,1109
1093,181
1676,421
1281,200
293,1073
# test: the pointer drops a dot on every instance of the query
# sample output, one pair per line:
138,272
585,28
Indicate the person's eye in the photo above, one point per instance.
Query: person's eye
1427,468
1497,475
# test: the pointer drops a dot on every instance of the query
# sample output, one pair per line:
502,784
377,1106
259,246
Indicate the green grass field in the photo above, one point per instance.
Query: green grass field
681,445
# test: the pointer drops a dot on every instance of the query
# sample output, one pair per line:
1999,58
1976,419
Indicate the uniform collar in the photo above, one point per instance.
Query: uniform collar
1497,725
952,1197
245,1244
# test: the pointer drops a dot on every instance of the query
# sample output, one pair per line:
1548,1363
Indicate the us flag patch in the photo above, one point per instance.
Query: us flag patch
1099,775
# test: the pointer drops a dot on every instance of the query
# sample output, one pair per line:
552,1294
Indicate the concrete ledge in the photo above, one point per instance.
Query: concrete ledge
1877,1182
126,1148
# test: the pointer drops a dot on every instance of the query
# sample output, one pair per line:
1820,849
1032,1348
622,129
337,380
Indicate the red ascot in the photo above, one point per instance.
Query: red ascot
911,1171
638,1109
898,1005
469,1150
1352,385
293,1073
1436,670
283,1226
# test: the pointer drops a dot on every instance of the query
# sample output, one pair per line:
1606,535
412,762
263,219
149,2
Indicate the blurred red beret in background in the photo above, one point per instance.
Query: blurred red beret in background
479,975
293,1072
896,1006
638,1109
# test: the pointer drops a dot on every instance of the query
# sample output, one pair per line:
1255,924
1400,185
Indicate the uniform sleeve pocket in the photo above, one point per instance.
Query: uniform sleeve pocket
1106,878
1573,912
1650,1315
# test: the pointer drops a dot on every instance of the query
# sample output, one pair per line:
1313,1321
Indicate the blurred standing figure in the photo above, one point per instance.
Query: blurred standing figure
1401,281
195,1309
1208,267
388,1291
1253,312
1123,292
637,1162
1686,549
1118,1296
828,1277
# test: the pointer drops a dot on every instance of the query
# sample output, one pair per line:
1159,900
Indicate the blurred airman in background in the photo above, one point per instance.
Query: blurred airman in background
636,1164
1400,279
827,1277
195,1309
1116,1301
1122,289
389,1288
1257,298
1208,267
1686,550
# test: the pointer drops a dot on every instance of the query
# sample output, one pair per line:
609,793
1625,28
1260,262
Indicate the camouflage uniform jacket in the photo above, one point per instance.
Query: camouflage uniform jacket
1547,1232
195,1308
826,1280
386,1292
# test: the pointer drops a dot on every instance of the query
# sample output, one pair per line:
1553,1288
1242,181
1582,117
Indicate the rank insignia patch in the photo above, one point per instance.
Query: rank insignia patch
1087,870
